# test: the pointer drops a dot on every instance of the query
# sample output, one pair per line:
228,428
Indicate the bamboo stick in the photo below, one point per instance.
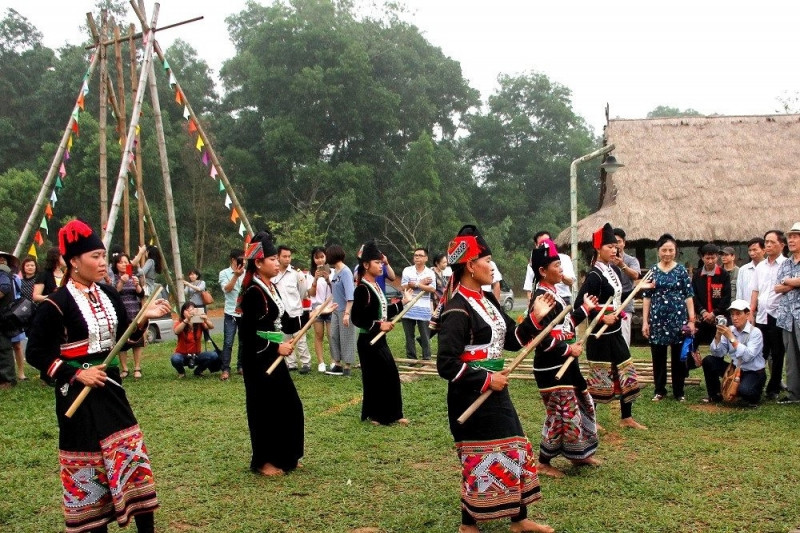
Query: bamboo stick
49,180
103,120
586,335
299,335
138,35
524,353
114,351
399,315
126,153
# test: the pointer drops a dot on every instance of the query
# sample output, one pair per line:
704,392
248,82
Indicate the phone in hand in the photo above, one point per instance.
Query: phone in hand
129,269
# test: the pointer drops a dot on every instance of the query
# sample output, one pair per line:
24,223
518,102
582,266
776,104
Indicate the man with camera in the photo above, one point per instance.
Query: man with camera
189,331
631,271
744,344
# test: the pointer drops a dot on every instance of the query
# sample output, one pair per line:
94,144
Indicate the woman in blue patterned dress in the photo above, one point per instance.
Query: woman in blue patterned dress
665,311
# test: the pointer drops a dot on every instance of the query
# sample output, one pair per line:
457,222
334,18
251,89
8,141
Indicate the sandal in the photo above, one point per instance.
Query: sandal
123,374
137,373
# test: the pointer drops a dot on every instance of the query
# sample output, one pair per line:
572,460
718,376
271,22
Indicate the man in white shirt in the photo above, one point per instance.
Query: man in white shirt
755,249
563,289
291,285
764,303
418,277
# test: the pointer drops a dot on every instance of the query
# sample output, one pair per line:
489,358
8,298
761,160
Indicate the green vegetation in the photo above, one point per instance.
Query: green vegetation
697,468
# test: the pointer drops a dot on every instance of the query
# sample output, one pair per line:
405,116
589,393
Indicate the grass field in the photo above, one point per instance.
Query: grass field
697,468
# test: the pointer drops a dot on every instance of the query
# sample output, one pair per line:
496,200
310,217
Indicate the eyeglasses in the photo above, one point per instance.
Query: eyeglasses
420,255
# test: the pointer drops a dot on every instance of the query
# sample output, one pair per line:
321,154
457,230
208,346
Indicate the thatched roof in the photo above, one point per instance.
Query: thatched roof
701,179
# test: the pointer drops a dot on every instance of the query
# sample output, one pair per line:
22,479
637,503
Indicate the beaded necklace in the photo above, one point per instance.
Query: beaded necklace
98,313
376,289
489,313
274,296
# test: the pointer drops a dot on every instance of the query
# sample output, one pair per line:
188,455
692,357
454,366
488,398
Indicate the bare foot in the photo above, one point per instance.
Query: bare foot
529,525
468,529
549,470
631,423
403,421
589,461
600,428
374,422
270,470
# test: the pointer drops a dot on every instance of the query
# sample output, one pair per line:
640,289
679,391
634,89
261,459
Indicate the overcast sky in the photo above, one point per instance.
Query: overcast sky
713,56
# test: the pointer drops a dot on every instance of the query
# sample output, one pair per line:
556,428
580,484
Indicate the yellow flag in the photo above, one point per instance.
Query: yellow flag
200,143
32,251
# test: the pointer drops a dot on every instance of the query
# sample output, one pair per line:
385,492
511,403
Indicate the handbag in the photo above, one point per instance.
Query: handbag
17,316
730,383
208,299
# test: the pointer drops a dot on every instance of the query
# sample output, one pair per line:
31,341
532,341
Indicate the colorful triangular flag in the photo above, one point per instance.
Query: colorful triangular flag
59,183
199,144
62,170
43,224
48,211
192,125
241,229
69,143
178,96
75,127
166,65
213,172
234,215
172,80
53,197
221,186
37,238
228,200
186,113
32,252
206,158
66,155
81,102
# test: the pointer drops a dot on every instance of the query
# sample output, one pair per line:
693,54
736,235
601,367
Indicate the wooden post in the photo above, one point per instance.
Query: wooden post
50,179
103,118
139,189
126,153
214,160
162,151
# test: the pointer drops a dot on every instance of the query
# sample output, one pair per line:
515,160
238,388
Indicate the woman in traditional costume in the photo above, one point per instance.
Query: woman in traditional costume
499,476
383,402
105,467
612,373
569,427
274,410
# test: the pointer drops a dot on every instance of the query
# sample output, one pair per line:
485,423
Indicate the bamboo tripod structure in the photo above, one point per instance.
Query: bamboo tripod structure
131,153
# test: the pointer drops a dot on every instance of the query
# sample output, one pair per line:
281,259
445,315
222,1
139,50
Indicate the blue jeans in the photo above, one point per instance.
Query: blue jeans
229,330
204,360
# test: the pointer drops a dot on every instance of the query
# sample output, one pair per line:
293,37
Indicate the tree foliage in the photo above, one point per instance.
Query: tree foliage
665,111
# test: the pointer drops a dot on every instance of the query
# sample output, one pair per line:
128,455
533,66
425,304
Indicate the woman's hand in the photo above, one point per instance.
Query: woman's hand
333,306
94,376
577,349
285,349
387,326
157,308
124,278
590,302
499,381
645,330
346,320
692,328
542,305
610,319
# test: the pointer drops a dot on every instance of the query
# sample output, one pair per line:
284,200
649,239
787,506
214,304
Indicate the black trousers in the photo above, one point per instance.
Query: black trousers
773,347
677,367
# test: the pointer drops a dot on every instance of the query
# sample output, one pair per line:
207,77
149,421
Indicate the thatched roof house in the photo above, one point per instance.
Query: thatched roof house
724,179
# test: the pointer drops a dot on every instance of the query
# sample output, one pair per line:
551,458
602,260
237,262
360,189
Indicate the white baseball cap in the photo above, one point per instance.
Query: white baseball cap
739,305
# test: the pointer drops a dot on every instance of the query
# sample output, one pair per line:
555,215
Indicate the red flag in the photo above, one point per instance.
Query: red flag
38,238
75,127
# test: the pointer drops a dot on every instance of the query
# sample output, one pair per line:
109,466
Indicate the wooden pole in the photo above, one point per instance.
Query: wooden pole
639,286
214,160
300,334
103,118
49,181
165,176
138,35
522,355
126,153
115,350
139,189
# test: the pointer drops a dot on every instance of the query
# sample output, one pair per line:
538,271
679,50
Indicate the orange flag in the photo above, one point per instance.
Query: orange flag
178,96
234,215
48,211
192,126
81,101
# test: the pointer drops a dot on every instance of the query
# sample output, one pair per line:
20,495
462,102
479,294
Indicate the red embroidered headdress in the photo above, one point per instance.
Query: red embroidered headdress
77,238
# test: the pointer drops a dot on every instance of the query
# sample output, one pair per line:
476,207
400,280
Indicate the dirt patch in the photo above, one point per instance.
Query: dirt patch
611,438
342,406
366,530
409,378
709,408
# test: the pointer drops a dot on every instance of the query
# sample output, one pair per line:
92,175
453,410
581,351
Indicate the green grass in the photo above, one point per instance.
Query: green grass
696,469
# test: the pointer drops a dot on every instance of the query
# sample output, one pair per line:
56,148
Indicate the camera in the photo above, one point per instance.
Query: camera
721,320
196,317
239,262
191,360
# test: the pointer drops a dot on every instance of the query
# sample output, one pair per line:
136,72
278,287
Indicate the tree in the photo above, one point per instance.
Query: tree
521,150
664,111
